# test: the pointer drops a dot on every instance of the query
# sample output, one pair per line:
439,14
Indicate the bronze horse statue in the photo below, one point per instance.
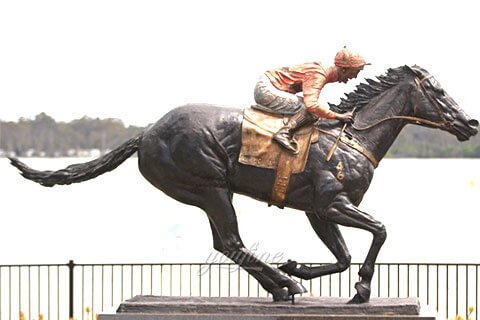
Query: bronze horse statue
191,154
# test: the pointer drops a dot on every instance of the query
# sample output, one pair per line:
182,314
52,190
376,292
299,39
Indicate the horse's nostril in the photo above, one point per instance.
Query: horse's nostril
473,123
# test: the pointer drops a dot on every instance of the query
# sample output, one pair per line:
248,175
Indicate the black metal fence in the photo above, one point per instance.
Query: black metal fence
80,291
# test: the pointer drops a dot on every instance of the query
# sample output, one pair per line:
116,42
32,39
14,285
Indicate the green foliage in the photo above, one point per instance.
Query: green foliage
43,136
420,142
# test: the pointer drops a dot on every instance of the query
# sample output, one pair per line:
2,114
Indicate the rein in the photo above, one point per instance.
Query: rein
408,118
419,85
354,145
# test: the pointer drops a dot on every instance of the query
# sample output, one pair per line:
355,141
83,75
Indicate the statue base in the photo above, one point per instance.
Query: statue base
308,308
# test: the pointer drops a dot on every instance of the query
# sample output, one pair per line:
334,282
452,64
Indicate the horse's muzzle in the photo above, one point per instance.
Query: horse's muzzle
464,128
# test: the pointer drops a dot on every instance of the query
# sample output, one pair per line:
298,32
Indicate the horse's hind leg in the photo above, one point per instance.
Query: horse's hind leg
331,236
218,206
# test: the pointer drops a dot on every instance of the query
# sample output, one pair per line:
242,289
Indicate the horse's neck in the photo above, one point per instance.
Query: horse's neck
395,101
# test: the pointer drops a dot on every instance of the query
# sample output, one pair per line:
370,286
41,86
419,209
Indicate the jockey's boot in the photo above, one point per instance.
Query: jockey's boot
284,136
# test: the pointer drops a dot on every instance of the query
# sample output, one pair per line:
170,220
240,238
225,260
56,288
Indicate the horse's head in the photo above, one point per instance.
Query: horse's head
433,104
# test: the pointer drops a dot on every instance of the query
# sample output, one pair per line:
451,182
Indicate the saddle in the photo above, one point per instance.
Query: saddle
259,150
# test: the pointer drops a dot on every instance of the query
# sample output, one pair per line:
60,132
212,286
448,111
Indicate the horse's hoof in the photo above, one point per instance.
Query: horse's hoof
280,294
356,300
288,267
363,294
295,287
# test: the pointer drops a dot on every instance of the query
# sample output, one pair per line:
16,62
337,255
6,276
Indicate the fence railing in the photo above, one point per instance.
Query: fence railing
80,291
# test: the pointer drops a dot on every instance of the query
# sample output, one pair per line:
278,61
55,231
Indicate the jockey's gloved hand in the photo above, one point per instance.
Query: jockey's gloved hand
345,117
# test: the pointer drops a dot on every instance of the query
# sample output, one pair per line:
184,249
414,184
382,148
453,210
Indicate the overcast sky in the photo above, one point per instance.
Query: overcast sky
135,60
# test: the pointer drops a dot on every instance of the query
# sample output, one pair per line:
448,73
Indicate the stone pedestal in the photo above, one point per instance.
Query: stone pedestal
212,308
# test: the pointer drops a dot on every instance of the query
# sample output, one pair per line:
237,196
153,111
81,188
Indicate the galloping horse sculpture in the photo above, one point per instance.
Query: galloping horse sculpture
192,153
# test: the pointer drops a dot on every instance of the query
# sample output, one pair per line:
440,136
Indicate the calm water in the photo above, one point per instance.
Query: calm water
430,208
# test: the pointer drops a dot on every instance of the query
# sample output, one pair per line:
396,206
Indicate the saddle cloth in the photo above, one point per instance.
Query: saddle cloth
259,150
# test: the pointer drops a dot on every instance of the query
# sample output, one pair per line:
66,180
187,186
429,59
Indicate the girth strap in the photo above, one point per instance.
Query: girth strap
354,145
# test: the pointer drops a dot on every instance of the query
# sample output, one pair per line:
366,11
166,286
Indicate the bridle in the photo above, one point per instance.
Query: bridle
444,124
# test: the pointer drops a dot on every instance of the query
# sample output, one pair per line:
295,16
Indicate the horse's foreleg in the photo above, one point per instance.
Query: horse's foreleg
343,212
331,236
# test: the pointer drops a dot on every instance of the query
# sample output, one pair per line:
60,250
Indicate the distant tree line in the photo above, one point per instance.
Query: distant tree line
43,136
419,142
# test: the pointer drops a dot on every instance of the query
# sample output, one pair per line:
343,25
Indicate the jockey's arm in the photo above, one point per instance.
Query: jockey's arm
312,86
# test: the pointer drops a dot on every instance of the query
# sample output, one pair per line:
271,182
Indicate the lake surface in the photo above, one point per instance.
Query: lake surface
429,206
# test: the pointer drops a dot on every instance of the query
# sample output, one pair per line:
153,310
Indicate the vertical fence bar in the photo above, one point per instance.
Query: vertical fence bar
29,293
58,292
151,279
48,292
112,285
141,279
0,293
320,287
476,293
446,290
209,280
220,281
428,284
408,280
83,292
180,284
131,281
378,279
93,290
121,280
161,279
39,283
398,281
103,282
329,285
190,280
438,294
388,280
238,269
311,282
229,279
466,290
200,279
171,280
418,280
70,265
349,283
19,289
10,292
456,289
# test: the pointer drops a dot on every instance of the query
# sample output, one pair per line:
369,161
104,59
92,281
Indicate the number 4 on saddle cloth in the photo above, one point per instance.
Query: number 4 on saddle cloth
260,150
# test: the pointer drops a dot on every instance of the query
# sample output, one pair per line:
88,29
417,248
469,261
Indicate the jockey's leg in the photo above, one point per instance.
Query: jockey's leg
298,120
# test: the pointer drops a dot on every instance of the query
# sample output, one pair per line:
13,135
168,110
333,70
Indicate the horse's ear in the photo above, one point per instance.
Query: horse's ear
418,71
414,69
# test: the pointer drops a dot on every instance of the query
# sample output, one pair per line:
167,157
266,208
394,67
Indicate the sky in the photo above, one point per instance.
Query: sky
136,60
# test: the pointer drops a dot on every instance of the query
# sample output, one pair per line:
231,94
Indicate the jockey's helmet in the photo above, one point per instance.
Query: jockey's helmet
346,59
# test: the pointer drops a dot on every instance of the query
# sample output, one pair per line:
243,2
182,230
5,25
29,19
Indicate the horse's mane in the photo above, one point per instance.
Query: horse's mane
364,92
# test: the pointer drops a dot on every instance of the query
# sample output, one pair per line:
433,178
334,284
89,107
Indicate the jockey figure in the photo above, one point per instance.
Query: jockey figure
276,92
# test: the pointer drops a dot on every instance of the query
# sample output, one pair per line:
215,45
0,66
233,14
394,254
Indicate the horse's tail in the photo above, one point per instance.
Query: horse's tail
82,171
